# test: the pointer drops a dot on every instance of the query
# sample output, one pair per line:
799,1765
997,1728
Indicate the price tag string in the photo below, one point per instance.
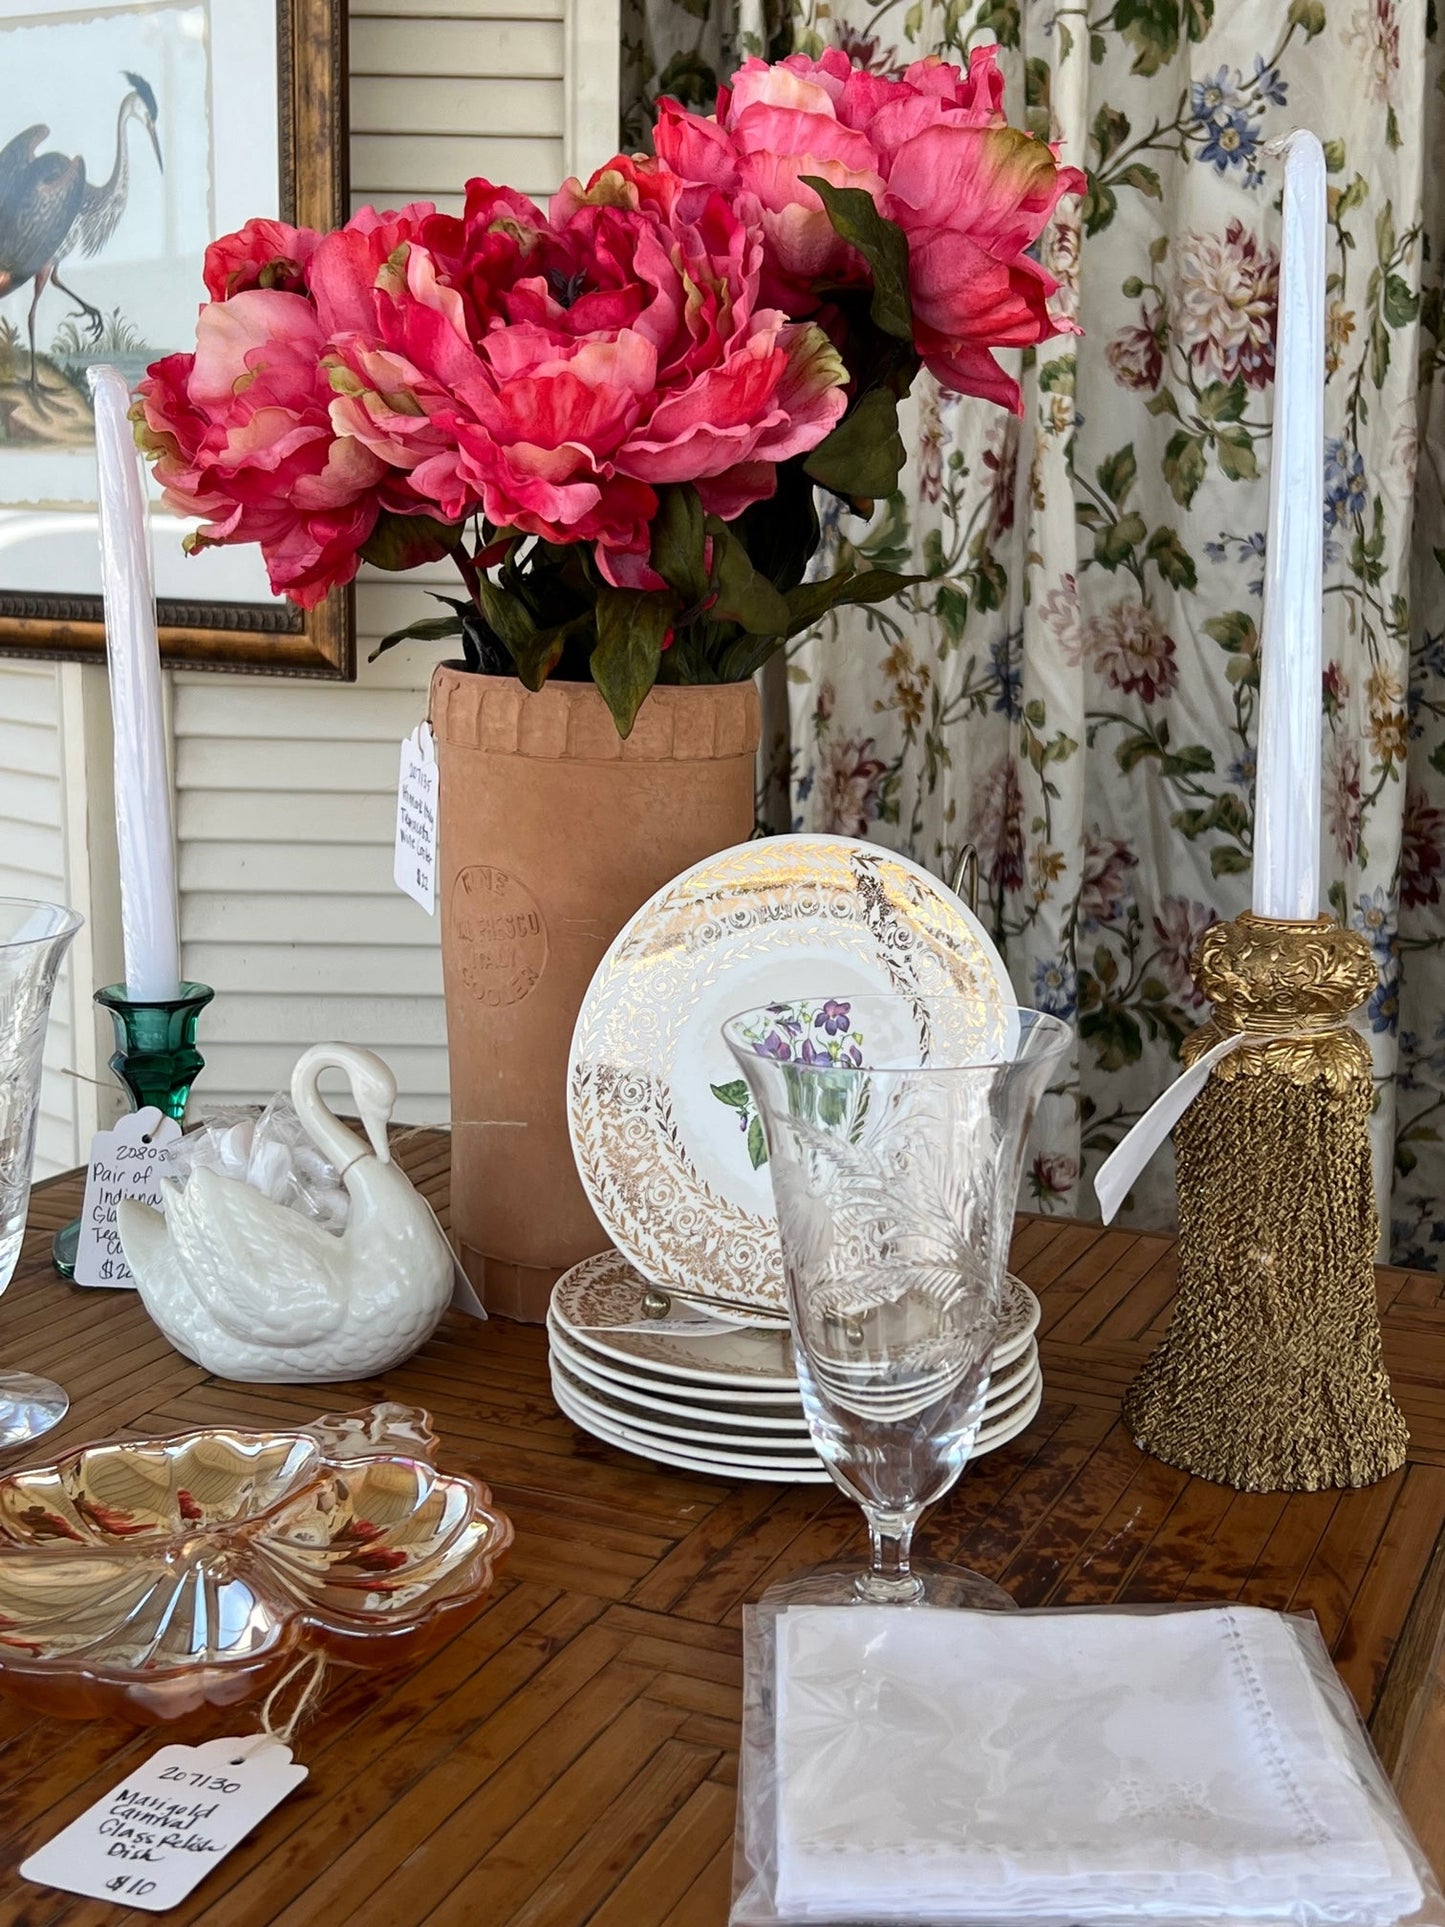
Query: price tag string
313,1667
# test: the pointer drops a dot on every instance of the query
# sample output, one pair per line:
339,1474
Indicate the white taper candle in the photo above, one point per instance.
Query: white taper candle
149,922
1287,757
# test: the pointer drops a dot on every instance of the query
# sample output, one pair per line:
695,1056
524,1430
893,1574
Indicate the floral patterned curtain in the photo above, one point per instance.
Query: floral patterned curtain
1075,687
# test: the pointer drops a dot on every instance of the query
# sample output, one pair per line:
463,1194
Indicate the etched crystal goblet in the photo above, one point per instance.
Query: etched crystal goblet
895,1146
34,938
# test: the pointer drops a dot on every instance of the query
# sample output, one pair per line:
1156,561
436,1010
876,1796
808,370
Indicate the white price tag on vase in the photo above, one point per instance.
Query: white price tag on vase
414,864
159,1832
126,1162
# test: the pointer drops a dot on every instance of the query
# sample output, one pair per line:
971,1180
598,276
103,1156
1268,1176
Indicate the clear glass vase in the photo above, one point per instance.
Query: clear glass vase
895,1154
34,938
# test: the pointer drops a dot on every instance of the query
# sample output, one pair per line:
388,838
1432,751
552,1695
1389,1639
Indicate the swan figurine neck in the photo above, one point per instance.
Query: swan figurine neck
373,1088
255,1291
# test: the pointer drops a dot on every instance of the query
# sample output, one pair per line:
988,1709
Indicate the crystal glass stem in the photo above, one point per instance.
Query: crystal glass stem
156,1059
890,1579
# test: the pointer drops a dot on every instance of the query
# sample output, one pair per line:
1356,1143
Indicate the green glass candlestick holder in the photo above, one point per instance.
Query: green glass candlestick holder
156,1059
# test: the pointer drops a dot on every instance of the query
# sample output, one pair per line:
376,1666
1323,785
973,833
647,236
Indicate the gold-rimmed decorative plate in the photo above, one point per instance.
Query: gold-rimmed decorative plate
668,1145
600,1308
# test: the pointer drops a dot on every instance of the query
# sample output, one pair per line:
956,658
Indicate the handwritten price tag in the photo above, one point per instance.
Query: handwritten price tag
414,865
157,1834
127,1162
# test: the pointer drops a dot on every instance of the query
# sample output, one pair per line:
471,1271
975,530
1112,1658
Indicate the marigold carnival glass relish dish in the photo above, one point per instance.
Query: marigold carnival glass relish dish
146,1579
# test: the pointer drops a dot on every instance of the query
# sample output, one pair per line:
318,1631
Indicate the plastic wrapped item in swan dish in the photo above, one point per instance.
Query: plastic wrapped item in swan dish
291,1250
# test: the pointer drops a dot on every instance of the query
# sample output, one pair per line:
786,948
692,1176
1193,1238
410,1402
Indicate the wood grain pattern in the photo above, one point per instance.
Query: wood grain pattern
569,1759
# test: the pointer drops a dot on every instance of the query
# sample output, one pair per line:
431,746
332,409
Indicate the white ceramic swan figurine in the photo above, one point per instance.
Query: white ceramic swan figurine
255,1291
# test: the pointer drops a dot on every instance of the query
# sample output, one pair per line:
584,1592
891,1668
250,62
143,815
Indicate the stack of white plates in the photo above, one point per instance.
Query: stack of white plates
685,1390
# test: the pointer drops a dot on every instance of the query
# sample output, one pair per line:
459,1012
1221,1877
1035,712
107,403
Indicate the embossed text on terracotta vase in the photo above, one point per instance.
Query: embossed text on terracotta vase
501,935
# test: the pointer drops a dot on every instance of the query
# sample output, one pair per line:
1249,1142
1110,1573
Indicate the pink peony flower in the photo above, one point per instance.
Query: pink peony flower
593,358
262,254
241,437
970,193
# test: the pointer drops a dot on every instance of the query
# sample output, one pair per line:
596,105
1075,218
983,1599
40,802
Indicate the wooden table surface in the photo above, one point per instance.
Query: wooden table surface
570,1756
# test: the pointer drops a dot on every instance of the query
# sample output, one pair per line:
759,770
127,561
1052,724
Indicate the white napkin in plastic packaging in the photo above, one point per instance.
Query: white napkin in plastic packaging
938,1766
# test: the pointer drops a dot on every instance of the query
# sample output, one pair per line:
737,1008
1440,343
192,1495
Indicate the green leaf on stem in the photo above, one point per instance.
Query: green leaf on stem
864,455
1235,631
631,627
1100,205
424,629
1110,130
883,245
743,594
1223,401
1235,449
1142,179
1115,542
1117,473
679,542
407,541
1171,559
1226,860
1152,27
1402,303
1184,466
811,601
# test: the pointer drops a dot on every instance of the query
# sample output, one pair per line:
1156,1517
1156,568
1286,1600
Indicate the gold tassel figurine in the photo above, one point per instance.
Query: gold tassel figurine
1270,1377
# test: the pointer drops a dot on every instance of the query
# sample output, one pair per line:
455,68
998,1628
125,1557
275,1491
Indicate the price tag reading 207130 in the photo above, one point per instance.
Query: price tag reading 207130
157,1834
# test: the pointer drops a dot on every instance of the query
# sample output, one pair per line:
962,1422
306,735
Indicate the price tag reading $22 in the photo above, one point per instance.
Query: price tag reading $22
414,865
157,1834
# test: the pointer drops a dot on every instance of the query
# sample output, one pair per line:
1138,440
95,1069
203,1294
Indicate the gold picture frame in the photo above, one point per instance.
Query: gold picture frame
272,638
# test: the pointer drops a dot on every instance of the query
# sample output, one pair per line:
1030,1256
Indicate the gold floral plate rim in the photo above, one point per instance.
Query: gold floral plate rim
885,918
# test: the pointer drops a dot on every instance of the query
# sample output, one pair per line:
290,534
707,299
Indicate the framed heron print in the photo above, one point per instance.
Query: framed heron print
131,134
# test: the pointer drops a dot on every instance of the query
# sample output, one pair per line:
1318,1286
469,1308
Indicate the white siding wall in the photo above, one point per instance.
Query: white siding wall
285,791
33,864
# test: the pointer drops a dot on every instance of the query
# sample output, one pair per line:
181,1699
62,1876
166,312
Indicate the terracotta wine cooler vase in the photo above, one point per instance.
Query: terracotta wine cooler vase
553,831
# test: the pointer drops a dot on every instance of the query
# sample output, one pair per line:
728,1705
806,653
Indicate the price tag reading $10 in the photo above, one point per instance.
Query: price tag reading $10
158,1833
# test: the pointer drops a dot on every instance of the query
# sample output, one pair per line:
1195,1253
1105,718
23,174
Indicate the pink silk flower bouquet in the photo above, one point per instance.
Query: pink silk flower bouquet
613,415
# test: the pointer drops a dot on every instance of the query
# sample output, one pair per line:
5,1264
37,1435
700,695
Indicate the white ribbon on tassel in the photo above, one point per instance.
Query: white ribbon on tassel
1115,1177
